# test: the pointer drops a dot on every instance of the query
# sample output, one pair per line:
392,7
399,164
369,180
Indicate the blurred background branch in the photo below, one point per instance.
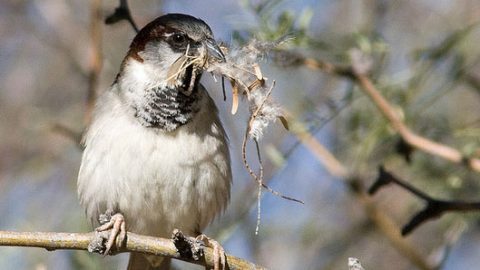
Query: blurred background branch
386,109
384,223
434,208
122,12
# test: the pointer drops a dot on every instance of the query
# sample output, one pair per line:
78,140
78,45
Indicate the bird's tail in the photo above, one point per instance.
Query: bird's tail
139,261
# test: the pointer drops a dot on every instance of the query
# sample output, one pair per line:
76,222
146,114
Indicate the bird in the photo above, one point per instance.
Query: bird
156,155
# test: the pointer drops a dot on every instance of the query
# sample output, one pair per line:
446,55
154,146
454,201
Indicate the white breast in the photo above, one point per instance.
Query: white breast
159,181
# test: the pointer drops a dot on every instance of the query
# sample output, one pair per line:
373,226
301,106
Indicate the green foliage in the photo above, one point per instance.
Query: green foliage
276,24
433,81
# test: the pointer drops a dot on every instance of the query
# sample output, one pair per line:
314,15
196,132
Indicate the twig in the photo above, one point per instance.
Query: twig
409,136
333,166
434,208
134,243
288,58
315,129
244,153
252,173
385,178
258,178
383,222
223,89
122,12
389,229
259,192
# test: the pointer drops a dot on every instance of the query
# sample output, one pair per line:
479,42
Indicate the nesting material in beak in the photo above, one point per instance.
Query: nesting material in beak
242,69
187,66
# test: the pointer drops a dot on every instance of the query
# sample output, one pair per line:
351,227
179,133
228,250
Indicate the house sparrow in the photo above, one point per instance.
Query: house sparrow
156,154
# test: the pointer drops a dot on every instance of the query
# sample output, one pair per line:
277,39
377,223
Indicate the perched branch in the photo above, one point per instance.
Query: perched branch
434,208
410,137
134,243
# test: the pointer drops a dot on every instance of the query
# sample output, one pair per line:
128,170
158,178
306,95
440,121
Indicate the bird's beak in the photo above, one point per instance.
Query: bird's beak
213,50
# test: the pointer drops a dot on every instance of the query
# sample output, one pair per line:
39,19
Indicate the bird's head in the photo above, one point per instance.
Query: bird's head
172,50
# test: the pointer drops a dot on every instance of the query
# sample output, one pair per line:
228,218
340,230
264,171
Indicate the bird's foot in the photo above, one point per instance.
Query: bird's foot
218,251
115,223
193,247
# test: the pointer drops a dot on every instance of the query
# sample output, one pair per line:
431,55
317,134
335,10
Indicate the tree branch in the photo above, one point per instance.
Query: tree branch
411,138
134,243
333,166
434,208
122,12
383,222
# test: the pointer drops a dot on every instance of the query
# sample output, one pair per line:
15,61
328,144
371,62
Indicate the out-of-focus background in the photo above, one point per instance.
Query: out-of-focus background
426,61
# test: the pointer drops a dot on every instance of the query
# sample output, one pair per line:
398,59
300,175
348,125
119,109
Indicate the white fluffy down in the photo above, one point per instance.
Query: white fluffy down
239,67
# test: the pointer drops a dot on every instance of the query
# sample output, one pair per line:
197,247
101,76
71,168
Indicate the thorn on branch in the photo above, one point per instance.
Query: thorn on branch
404,149
122,12
384,178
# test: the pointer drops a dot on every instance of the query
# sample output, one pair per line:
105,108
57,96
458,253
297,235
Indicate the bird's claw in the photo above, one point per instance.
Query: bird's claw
218,251
116,224
193,247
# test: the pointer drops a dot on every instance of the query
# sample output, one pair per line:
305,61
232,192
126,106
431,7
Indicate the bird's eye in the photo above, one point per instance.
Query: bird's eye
179,38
